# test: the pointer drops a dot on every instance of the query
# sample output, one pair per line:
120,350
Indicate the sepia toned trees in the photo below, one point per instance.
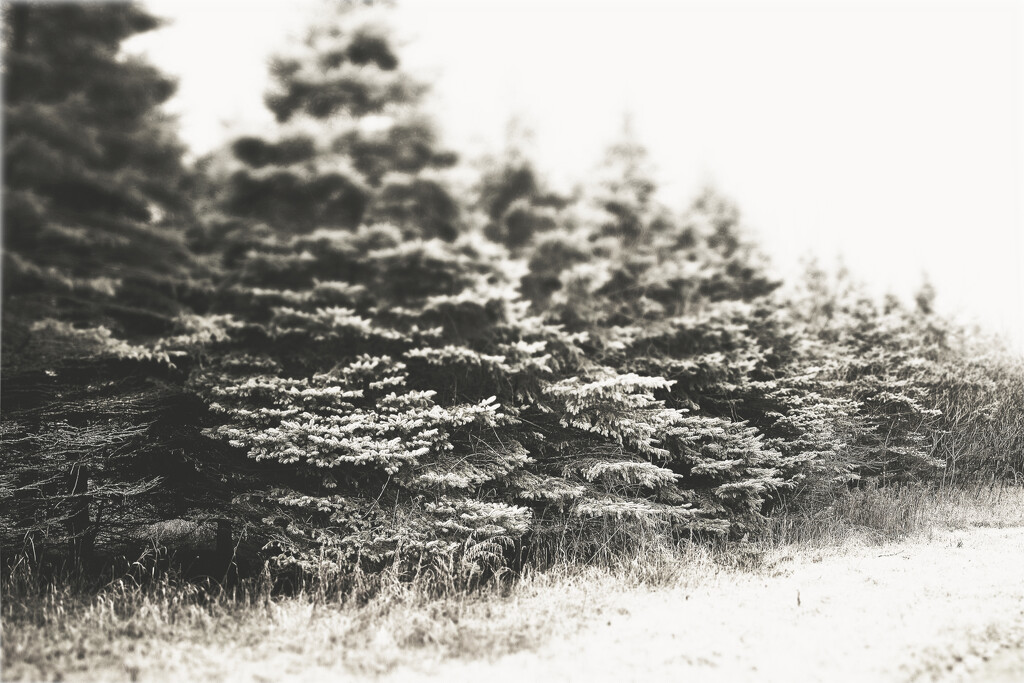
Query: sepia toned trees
315,343
95,268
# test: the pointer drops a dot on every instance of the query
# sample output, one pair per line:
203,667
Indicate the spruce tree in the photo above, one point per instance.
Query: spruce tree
688,299
95,269
416,415
94,186
517,207
350,146
885,359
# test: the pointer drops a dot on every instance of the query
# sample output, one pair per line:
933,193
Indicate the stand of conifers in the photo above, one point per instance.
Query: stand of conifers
309,353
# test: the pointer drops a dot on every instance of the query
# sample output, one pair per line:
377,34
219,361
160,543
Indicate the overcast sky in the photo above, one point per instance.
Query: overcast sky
887,132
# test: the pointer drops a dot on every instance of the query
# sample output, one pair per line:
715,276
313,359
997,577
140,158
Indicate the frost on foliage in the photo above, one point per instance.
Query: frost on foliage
530,486
621,407
644,474
337,534
481,461
97,341
618,507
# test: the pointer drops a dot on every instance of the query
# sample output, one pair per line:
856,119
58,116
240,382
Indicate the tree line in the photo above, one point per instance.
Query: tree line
312,346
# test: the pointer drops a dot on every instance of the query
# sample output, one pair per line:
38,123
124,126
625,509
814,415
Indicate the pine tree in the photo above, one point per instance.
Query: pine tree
688,299
351,145
95,268
417,416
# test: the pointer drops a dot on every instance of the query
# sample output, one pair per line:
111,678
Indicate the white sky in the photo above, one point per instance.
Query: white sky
888,132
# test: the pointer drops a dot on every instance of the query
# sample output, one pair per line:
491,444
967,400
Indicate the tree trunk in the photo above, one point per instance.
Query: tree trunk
225,551
79,524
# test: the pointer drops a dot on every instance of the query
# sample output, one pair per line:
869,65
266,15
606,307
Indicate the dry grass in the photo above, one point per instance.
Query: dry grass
163,629
884,515
170,630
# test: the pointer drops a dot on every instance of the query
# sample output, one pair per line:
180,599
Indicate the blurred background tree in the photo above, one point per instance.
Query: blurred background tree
95,192
351,145
517,206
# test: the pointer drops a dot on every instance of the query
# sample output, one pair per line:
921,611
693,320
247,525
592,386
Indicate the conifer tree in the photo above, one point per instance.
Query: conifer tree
95,268
350,146
885,360
93,178
418,416
517,206
688,299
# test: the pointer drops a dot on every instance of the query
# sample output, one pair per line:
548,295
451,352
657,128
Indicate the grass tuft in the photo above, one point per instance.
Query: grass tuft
880,515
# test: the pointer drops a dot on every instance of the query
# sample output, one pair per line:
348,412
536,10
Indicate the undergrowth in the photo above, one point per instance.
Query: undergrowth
883,515
119,630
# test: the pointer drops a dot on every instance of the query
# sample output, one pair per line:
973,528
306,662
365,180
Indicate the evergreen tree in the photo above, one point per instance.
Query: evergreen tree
351,145
417,415
689,300
885,359
95,268
517,206
93,179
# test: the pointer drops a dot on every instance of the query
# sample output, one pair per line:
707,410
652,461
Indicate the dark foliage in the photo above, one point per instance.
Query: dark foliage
350,367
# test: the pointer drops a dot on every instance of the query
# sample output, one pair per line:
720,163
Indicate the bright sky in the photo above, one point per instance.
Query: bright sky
891,133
